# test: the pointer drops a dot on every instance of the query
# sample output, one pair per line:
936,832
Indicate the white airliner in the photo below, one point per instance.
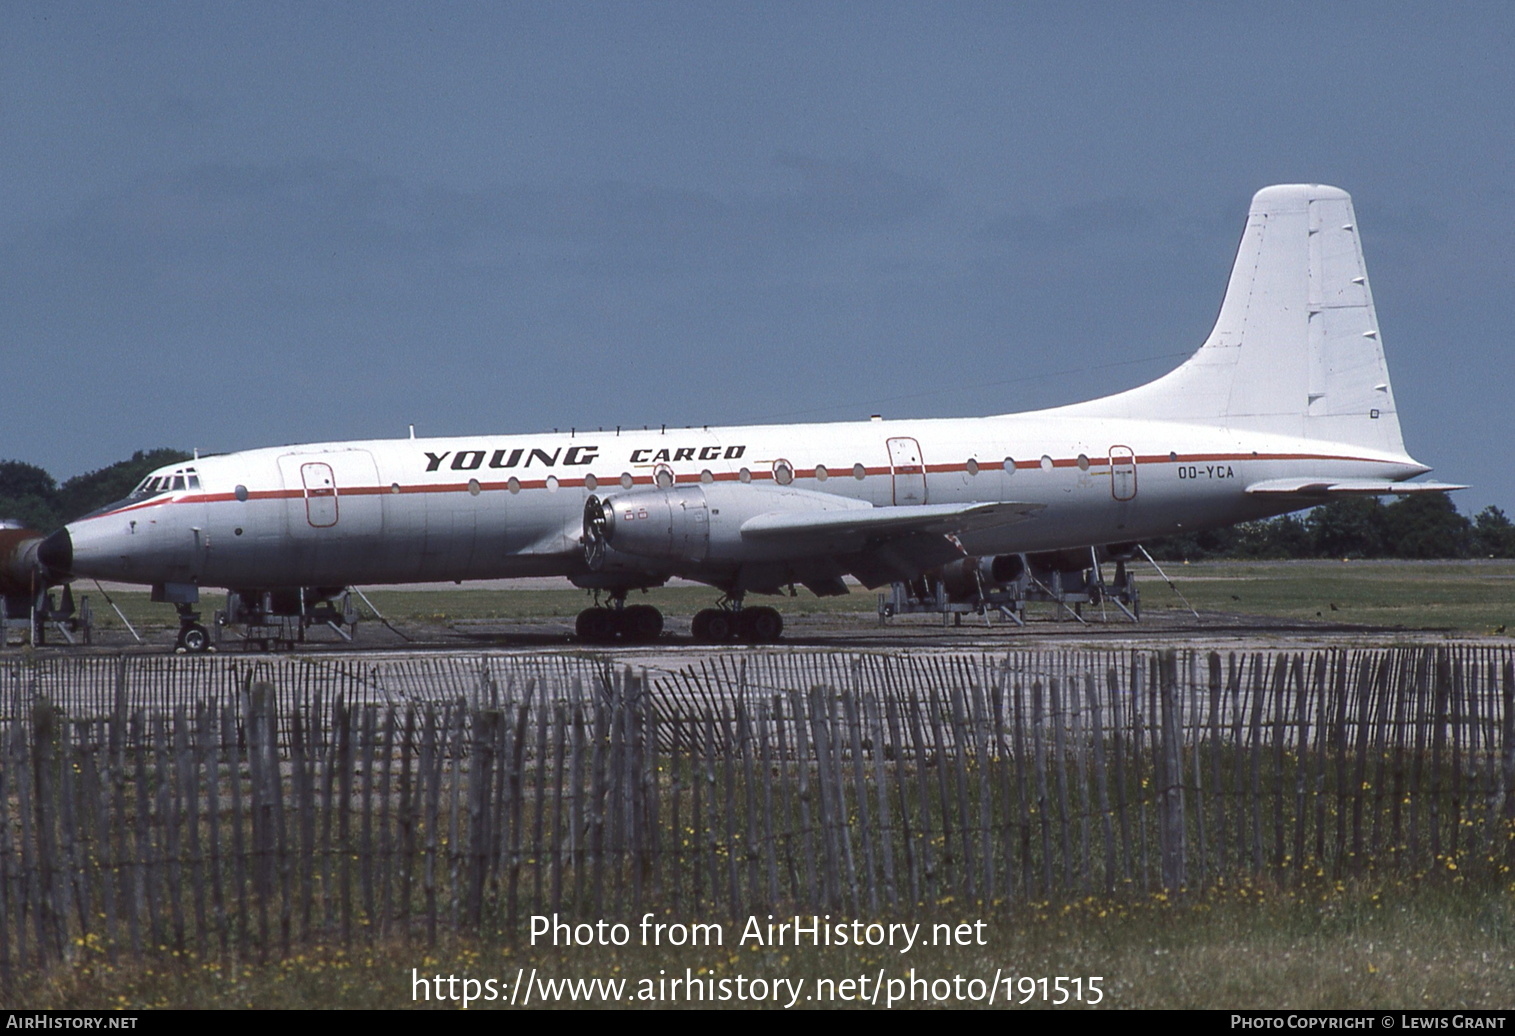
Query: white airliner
1285,405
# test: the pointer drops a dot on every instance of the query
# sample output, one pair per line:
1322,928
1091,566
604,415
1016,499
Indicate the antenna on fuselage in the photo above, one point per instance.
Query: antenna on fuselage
412,431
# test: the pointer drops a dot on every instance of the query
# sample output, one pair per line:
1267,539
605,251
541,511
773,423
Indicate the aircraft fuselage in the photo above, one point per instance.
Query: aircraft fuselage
413,510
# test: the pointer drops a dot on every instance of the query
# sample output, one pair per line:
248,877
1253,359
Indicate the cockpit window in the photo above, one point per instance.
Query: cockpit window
177,482
153,485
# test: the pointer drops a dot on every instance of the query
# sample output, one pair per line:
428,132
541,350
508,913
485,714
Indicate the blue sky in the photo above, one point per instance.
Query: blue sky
236,225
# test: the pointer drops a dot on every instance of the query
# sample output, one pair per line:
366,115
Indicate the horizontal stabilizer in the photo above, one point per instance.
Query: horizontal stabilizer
882,522
1322,487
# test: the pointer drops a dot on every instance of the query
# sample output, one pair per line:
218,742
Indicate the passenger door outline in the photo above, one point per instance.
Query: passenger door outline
907,469
1122,473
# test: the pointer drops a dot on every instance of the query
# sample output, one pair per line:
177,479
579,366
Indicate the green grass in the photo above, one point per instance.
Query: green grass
1463,597
1435,941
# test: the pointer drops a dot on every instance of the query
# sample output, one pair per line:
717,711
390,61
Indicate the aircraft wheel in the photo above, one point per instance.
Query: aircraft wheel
721,626
596,626
194,639
583,625
641,623
762,625
711,626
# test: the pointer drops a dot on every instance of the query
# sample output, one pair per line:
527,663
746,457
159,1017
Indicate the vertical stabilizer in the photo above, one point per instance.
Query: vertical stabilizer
1296,348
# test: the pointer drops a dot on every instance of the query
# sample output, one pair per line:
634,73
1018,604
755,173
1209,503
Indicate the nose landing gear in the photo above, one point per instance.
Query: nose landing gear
193,637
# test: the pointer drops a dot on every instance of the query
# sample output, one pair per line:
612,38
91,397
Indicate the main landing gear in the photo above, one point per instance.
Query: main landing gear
643,624
604,624
760,625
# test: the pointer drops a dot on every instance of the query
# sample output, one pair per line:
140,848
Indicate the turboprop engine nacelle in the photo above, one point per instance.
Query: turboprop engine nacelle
694,524
665,524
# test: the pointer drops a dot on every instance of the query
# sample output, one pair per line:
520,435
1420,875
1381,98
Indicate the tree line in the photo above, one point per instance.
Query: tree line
1420,525
31,497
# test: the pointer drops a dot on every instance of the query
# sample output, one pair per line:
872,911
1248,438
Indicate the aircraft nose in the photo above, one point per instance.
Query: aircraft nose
56,553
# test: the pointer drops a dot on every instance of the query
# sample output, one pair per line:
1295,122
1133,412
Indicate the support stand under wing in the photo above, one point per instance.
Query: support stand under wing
1068,590
264,622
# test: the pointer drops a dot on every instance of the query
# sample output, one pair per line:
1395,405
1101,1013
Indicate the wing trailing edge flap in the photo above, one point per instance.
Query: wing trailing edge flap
1323,488
880,545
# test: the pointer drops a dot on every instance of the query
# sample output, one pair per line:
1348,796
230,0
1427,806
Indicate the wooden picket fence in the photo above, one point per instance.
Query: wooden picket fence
269,813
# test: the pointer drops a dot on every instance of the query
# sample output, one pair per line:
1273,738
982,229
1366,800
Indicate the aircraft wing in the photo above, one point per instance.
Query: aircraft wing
1325,487
879,545
864,524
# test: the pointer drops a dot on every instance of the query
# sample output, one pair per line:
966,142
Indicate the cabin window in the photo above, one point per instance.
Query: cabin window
744,475
859,472
1046,463
821,474
626,480
972,466
1009,465
241,492
473,487
591,483
514,485
1083,462
552,483
394,487
783,472
706,477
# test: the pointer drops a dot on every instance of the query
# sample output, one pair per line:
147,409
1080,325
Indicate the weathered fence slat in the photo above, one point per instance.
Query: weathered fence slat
285,805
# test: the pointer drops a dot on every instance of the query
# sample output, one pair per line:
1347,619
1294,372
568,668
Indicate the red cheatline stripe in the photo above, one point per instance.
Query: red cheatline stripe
840,472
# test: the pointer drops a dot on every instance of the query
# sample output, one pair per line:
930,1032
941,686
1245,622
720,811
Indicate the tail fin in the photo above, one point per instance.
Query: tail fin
1296,348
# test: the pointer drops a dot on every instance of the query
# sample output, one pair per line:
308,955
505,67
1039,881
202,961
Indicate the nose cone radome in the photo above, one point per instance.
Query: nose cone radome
56,554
